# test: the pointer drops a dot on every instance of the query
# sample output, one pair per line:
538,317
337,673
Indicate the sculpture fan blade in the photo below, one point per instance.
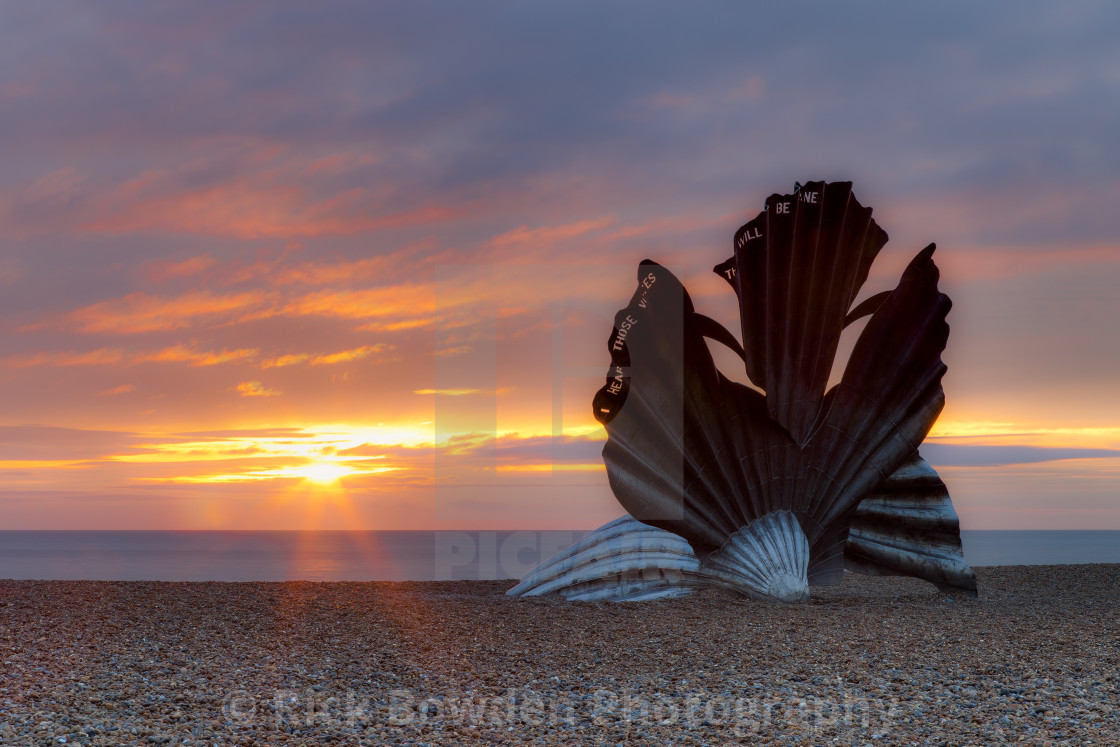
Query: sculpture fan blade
798,267
671,456
882,409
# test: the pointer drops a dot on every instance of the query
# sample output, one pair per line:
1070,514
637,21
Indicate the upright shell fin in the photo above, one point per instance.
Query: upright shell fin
798,267
886,402
679,430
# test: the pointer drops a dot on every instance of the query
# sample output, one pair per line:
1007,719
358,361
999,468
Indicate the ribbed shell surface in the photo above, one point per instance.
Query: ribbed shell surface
769,558
624,560
907,527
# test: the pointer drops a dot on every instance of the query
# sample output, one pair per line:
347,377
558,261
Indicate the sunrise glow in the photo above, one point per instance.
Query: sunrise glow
386,271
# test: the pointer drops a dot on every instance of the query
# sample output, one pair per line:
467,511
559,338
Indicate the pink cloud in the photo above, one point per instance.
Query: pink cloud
160,271
56,185
259,206
550,234
1000,263
319,273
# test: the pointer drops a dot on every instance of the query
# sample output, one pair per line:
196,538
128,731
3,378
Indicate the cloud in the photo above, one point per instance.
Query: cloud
280,361
322,273
667,100
335,188
57,192
326,359
986,264
982,455
99,357
246,433
550,234
345,356
143,312
51,443
159,271
265,205
122,389
550,449
119,357
255,389
752,89
183,354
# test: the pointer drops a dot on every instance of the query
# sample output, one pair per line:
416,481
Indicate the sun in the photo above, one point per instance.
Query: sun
323,473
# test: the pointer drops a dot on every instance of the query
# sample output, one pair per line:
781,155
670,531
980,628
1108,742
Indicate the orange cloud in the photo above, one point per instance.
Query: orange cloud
277,271
396,326
363,303
99,357
116,356
122,389
255,389
183,354
141,312
285,360
325,359
348,355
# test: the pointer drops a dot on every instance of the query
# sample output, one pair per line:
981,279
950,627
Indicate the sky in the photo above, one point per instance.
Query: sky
354,265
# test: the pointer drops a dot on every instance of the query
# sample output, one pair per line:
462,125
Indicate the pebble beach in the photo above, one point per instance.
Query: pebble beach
1034,660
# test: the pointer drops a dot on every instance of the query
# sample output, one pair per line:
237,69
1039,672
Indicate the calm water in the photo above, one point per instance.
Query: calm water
399,556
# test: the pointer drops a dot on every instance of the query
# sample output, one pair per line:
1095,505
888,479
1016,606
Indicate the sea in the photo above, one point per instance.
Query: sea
399,555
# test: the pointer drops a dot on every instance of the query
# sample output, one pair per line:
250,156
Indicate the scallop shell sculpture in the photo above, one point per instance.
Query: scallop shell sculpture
771,490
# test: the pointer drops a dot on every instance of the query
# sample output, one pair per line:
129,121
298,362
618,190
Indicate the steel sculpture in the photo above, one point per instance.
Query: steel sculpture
773,488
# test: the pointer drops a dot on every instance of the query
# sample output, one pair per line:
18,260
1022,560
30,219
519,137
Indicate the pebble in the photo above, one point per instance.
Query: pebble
1033,660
